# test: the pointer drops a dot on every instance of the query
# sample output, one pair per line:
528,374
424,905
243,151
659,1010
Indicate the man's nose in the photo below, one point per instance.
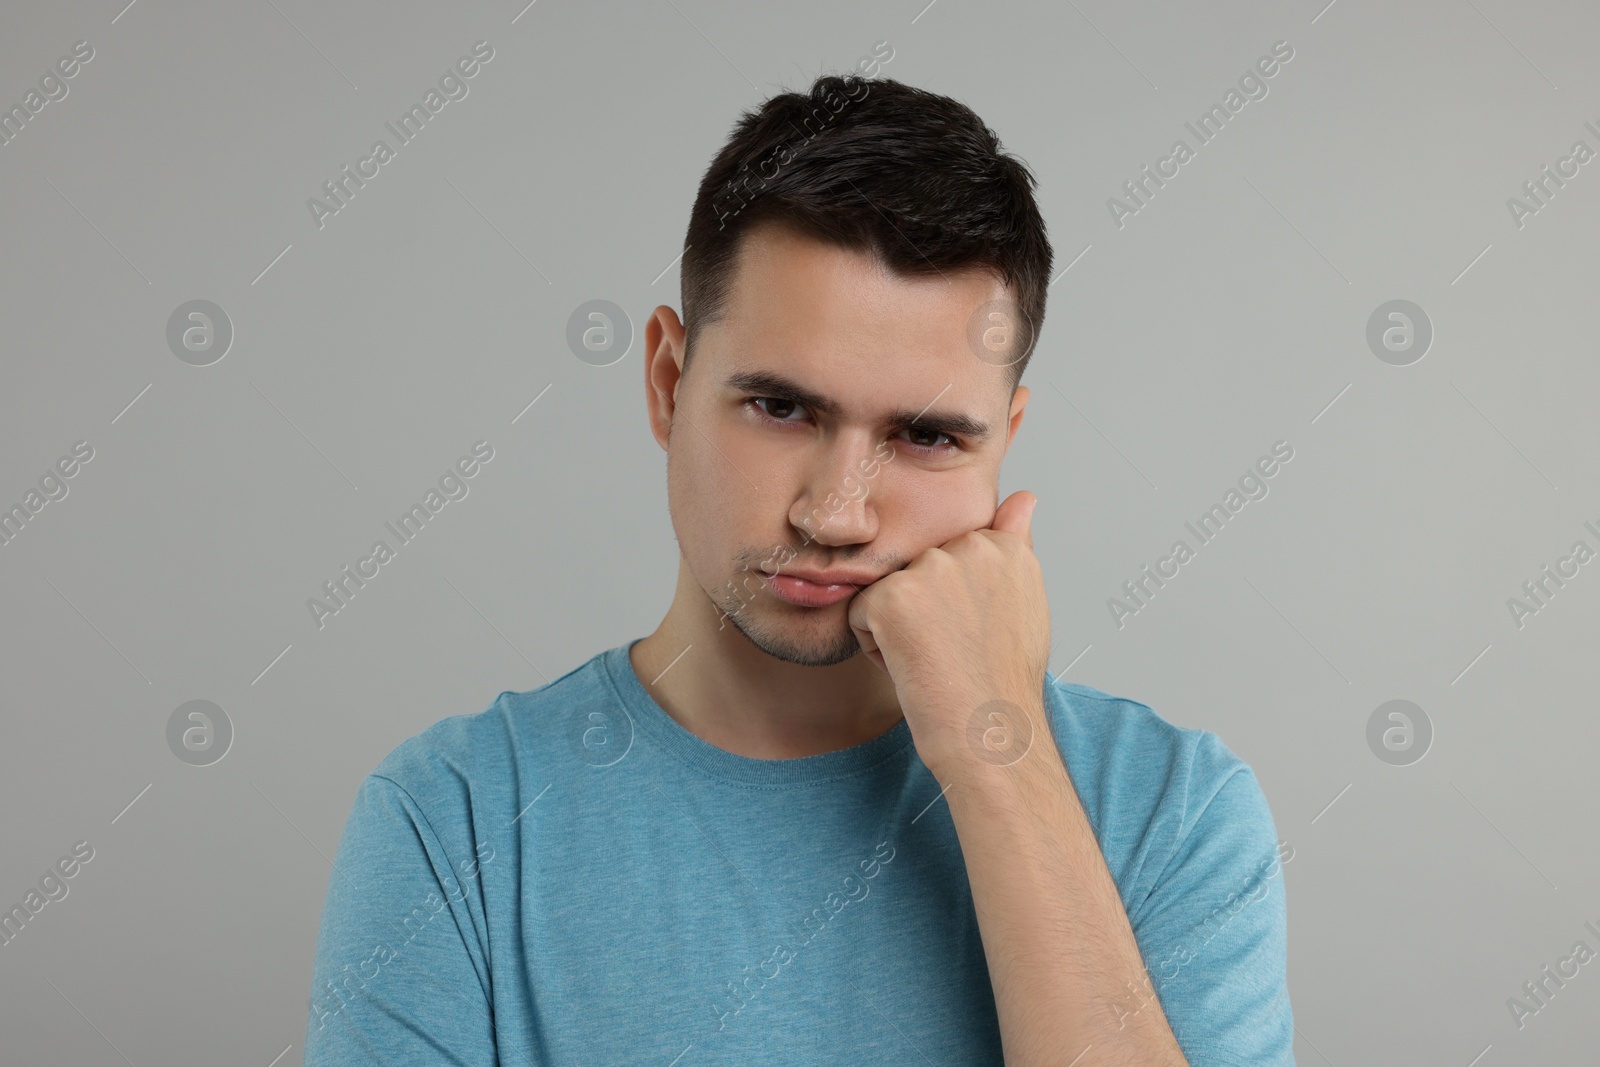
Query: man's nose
836,508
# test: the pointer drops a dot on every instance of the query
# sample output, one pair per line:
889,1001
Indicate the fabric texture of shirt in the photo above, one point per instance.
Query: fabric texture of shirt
570,877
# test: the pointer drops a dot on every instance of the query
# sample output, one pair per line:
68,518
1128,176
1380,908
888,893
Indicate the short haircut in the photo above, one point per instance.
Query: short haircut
872,165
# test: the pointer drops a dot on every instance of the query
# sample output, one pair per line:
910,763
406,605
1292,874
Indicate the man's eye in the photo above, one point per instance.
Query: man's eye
776,409
914,432
783,407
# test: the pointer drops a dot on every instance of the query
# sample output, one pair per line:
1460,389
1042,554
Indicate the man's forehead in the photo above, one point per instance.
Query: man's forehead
838,331
781,273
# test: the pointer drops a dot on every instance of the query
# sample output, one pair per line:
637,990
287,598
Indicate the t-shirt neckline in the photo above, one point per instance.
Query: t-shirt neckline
651,719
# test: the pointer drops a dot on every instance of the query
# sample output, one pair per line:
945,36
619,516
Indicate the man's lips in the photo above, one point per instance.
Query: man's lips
816,589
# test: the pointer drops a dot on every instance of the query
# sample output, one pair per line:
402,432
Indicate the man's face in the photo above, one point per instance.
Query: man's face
761,483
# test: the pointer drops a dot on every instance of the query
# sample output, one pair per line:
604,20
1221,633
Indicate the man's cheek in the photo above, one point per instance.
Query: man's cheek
936,510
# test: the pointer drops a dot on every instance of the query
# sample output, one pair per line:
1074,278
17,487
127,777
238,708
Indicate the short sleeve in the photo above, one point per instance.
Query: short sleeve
1214,929
400,975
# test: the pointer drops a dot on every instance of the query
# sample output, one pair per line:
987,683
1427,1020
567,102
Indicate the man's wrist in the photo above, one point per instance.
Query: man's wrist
1006,748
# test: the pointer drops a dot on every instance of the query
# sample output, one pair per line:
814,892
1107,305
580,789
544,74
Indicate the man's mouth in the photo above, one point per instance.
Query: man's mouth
818,590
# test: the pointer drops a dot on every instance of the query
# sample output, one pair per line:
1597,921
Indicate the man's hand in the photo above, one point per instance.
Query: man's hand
964,632
963,625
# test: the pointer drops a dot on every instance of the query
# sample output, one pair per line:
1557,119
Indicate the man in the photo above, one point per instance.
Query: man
834,810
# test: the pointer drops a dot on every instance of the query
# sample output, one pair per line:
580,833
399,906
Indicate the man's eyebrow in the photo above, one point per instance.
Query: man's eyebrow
766,383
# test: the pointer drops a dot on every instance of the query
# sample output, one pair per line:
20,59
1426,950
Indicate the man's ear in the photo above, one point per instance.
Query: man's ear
1019,401
663,368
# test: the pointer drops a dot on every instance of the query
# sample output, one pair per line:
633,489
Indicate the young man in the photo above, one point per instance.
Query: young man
834,810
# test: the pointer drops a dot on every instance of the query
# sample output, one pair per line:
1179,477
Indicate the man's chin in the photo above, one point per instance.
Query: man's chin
794,644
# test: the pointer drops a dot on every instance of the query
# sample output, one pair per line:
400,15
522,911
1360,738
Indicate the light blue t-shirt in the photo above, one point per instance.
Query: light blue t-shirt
572,879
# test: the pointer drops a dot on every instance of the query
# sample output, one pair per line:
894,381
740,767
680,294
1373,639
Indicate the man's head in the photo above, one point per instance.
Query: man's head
863,281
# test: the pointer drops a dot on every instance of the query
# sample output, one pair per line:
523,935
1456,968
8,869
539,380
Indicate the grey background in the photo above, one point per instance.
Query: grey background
369,355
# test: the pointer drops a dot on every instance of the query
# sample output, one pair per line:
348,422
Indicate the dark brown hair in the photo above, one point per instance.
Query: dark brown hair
870,164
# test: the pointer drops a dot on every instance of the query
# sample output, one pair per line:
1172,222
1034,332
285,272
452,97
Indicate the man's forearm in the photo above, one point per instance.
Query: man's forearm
1067,973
